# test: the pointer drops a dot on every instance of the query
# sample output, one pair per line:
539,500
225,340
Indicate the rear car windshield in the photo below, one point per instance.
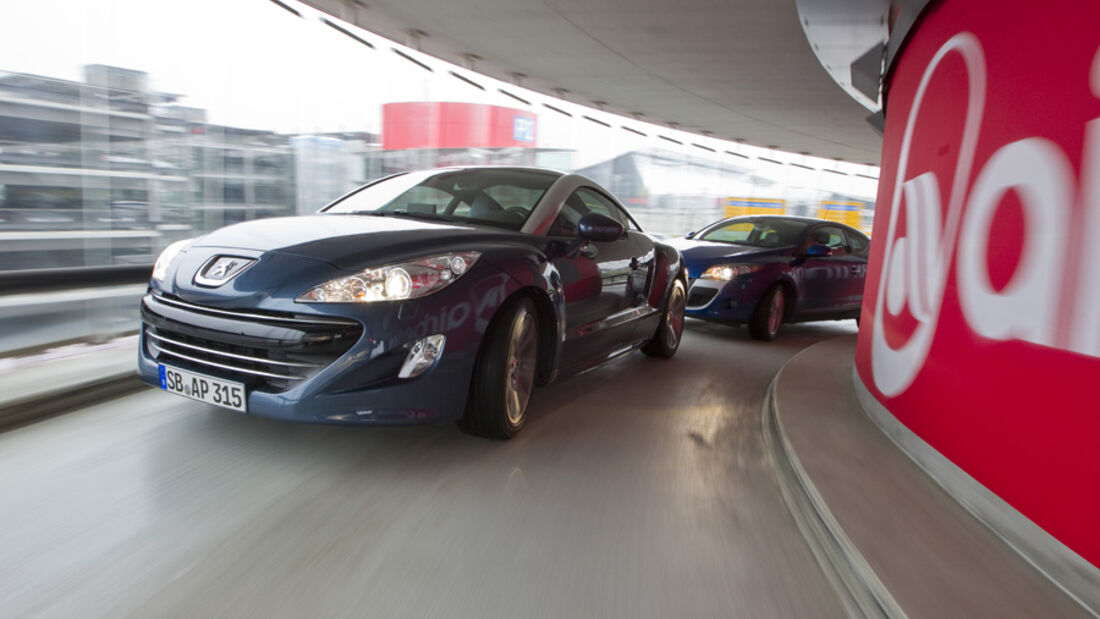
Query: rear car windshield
756,232
503,198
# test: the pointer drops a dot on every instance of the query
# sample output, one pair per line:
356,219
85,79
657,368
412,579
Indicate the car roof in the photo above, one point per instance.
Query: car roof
509,168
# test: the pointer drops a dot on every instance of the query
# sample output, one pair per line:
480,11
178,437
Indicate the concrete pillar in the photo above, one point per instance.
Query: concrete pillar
981,315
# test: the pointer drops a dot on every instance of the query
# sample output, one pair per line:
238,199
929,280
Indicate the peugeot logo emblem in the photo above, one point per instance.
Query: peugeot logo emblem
221,269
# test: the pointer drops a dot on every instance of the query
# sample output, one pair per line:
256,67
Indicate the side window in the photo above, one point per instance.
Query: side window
830,236
596,203
581,203
627,221
571,212
859,243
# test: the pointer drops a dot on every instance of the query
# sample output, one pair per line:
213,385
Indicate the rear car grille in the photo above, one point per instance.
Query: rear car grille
271,351
701,296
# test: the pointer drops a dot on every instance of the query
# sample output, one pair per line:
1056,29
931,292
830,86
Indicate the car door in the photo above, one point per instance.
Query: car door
859,247
827,282
603,283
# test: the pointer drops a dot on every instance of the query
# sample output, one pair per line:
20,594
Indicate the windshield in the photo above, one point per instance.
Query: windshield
503,198
757,232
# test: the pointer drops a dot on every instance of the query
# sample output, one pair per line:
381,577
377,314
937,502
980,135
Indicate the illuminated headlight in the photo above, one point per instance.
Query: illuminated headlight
394,282
726,272
160,268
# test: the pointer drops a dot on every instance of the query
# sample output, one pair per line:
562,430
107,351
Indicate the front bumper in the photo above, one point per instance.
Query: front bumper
313,368
733,301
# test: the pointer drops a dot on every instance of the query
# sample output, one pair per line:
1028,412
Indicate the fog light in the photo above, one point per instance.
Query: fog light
422,355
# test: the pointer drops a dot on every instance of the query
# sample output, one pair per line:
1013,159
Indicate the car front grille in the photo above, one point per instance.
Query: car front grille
267,350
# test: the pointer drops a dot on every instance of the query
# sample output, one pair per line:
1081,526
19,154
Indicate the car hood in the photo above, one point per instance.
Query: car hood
346,241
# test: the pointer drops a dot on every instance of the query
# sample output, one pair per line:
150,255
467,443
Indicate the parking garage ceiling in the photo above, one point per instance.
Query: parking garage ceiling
735,69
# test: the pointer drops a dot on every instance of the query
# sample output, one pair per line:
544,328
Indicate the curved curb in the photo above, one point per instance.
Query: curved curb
856,584
1063,567
45,405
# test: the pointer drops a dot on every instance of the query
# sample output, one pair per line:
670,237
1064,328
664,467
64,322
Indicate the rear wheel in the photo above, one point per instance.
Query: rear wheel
666,340
504,376
768,315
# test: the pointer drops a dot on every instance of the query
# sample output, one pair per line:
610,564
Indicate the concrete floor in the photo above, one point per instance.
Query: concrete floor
642,489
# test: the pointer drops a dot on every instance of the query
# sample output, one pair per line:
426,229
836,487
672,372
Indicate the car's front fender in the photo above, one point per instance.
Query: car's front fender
534,273
669,266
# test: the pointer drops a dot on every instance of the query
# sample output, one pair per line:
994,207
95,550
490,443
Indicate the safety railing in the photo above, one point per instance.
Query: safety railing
43,307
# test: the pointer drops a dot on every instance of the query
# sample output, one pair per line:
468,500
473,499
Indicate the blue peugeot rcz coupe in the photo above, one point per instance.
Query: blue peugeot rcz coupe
427,295
767,270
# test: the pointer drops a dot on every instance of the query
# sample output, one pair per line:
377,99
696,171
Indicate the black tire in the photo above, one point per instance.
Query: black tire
768,315
666,340
504,375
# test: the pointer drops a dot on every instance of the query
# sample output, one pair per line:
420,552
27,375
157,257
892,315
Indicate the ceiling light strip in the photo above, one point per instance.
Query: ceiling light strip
468,81
409,58
346,33
557,109
516,97
286,7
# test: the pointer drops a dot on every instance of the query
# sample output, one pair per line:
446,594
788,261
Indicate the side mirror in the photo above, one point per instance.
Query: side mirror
599,228
817,250
690,235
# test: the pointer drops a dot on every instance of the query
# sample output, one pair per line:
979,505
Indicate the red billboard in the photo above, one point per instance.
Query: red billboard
455,125
981,315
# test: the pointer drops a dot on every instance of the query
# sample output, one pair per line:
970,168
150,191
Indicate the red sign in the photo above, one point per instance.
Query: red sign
455,125
981,315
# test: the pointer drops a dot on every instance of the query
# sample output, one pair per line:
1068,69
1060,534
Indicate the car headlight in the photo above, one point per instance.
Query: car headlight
164,260
395,282
726,272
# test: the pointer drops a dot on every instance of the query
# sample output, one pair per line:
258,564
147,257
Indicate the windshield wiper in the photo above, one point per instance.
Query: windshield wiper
431,216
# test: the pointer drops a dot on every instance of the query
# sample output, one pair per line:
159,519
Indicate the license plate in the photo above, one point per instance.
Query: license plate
226,393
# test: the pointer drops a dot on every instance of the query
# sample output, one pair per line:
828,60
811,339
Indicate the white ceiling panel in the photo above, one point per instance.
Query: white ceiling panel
737,69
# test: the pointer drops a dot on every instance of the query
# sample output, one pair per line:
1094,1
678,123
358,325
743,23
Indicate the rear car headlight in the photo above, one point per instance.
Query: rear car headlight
726,272
395,282
164,260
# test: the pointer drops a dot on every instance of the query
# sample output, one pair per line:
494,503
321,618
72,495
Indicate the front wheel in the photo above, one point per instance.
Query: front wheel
666,340
504,376
768,314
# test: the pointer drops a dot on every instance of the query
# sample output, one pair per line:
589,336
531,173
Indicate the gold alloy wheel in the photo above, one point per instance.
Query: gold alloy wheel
674,316
775,311
522,351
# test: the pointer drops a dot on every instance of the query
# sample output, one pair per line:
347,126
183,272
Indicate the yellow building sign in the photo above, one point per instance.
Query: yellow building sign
735,207
843,212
